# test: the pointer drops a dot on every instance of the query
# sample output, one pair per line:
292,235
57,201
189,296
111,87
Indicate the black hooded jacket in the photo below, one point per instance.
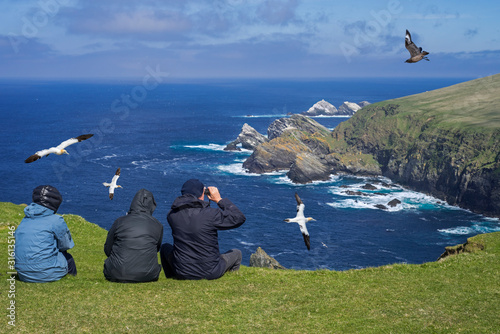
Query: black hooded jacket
194,229
133,243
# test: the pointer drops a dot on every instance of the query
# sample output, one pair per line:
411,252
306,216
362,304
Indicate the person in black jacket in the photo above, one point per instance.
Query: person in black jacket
133,243
195,253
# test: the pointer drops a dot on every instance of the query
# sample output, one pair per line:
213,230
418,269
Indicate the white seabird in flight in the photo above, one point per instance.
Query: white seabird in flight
113,184
301,220
59,149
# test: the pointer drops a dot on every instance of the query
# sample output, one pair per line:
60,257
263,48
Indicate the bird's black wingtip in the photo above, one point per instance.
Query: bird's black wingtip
84,137
32,158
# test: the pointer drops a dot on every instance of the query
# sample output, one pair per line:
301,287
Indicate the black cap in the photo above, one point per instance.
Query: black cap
48,197
193,187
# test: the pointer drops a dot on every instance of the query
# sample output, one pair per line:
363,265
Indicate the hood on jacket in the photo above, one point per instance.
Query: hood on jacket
36,210
48,197
143,201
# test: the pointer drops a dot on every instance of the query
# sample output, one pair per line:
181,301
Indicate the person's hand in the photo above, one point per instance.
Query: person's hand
214,194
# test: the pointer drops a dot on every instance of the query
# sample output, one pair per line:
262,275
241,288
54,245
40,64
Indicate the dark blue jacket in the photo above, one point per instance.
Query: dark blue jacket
194,227
133,242
40,238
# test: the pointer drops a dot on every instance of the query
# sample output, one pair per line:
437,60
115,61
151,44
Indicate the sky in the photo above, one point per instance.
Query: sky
120,39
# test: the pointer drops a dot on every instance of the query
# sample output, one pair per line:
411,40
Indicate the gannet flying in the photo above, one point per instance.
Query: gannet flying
59,149
416,53
301,220
113,184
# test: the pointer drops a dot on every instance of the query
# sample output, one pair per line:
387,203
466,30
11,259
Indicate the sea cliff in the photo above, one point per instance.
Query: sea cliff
445,143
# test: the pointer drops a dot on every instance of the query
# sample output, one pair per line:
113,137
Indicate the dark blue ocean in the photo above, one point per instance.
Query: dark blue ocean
162,135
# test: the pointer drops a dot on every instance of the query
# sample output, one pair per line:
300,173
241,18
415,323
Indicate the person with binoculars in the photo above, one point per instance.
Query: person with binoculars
195,253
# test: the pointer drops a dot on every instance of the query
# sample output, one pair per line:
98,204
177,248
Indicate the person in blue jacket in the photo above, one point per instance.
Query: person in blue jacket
42,240
195,253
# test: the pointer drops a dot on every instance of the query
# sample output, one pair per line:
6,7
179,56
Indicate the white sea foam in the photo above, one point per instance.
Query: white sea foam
144,164
385,192
459,230
262,116
473,229
245,243
331,116
286,180
236,169
106,157
151,163
207,147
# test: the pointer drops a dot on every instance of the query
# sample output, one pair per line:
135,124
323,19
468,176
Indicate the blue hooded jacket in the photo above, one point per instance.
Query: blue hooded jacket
40,238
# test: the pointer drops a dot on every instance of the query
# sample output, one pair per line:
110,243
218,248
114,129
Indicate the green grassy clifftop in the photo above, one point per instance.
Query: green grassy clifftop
458,294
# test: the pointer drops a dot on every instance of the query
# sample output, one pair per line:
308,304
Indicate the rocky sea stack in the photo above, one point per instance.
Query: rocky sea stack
249,139
445,143
325,108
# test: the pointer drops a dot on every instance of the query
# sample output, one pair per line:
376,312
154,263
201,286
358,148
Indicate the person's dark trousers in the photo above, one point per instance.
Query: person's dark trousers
166,256
232,259
71,263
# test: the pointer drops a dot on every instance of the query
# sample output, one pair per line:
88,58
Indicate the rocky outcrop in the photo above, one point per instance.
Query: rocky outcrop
348,108
302,147
324,108
321,108
393,203
308,167
295,122
353,163
262,260
298,145
249,139
469,247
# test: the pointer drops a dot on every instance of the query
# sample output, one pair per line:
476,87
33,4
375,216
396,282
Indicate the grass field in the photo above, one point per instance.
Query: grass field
459,294
471,104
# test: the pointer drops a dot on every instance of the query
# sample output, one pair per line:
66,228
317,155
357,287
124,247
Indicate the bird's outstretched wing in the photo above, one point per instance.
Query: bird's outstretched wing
113,183
117,175
305,234
300,206
410,46
297,198
36,156
72,141
307,241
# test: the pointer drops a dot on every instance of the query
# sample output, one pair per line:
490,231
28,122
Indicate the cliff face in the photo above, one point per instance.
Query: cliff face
433,144
444,142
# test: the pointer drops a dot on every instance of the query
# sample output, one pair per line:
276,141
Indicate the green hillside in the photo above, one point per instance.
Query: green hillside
473,104
456,295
